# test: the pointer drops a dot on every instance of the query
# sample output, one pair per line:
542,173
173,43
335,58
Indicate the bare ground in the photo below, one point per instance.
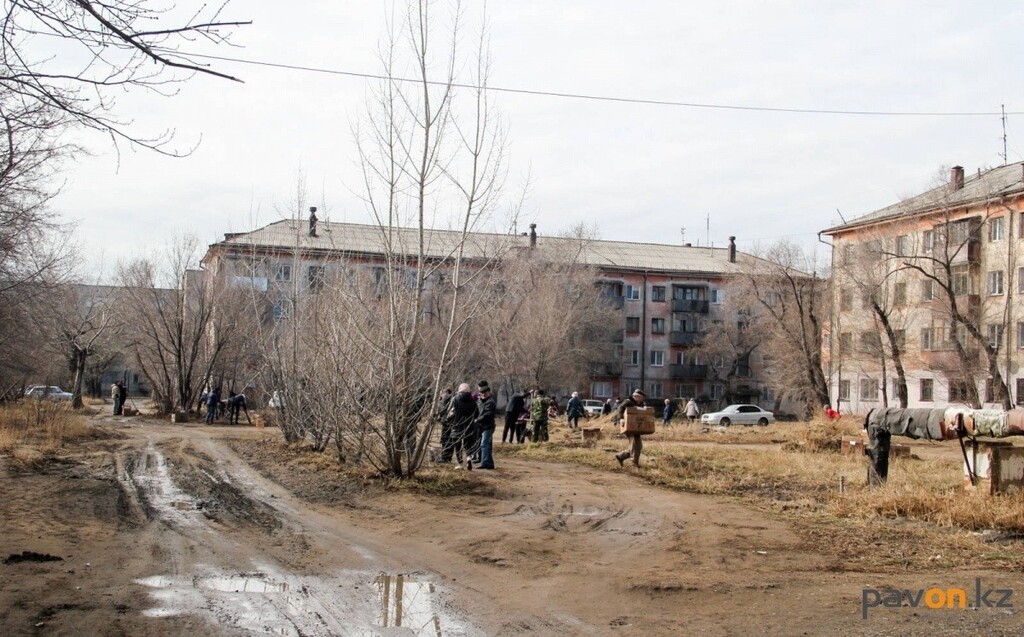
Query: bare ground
171,530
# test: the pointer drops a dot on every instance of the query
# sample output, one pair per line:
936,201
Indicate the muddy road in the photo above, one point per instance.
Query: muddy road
168,530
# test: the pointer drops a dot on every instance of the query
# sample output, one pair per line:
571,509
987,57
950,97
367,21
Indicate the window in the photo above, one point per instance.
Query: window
717,391
283,273
997,229
961,279
845,299
767,395
772,299
655,389
657,326
281,312
847,253
845,343
634,357
1020,335
657,358
1020,280
1020,388
686,325
718,360
927,290
868,389
681,357
902,245
928,340
958,391
844,390
995,335
316,276
632,293
928,240
995,283
683,293
658,294
686,390
601,390
899,294
959,232
927,390
633,324
717,296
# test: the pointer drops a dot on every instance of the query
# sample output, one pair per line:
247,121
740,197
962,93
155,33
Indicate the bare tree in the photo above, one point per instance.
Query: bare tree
733,336
105,48
177,322
548,323
792,294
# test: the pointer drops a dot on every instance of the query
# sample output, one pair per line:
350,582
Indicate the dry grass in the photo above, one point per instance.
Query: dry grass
922,518
42,426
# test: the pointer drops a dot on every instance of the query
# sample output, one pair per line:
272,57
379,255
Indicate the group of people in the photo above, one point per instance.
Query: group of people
467,425
235,405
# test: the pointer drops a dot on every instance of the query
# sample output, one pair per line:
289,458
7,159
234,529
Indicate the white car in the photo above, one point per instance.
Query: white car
592,407
49,392
739,415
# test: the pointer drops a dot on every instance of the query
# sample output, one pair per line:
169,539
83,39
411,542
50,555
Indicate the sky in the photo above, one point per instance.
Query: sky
638,172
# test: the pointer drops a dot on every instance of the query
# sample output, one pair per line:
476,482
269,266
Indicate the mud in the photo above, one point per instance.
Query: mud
170,530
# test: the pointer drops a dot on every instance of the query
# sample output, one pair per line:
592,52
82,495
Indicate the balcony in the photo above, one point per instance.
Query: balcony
688,372
615,302
683,338
617,336
605,369
687,305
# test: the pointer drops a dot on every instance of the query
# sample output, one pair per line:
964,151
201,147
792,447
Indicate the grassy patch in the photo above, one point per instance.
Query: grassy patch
40,425
921,518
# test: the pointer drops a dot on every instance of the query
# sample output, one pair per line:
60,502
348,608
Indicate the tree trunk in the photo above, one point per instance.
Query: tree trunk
78,357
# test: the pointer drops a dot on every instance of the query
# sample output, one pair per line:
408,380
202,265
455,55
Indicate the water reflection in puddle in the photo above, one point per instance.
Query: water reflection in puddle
350,603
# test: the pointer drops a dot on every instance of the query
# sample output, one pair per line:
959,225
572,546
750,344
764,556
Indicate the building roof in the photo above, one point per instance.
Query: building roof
991,184
361,239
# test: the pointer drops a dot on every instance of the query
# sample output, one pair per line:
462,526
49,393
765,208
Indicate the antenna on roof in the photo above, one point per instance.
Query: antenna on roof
1003,106
682,235
841,216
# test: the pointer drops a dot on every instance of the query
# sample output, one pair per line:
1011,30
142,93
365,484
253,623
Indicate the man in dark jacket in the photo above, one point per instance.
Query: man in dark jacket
516,407
463,417
574,411
486,408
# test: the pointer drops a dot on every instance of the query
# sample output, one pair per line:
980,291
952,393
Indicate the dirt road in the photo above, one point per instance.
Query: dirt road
167,530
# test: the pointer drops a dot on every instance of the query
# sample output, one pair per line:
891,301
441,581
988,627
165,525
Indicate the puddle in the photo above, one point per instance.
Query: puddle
348,603
153,479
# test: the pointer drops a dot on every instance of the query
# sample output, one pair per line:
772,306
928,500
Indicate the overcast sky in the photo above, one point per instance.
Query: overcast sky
639,172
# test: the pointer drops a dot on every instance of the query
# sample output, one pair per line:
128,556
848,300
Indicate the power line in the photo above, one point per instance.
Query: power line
602,98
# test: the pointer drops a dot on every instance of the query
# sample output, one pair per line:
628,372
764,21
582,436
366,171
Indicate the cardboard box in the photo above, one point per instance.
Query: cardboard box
638,420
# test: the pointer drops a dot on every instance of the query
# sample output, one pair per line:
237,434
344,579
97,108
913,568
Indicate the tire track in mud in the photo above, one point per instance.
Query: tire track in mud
215,513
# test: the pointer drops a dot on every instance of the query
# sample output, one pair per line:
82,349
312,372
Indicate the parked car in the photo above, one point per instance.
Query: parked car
592,407
739,415
49,392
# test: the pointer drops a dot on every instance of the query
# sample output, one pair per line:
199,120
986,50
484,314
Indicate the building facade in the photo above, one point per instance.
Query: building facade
933,285
668,295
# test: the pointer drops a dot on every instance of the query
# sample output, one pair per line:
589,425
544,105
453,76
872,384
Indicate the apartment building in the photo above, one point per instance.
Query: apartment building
668,294
935,285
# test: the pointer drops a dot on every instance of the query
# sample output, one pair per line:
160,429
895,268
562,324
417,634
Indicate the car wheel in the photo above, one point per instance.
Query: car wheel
725,422
763,422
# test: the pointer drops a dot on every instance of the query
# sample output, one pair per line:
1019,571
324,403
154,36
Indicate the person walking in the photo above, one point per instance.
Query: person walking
516,406
236,403
115,396
539,416
486,407
212,402
670,410
607,407
574,411
636,444
692,410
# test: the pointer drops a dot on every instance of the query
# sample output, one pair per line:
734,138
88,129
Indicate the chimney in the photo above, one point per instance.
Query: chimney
956,178
732,249
533,235
312,221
